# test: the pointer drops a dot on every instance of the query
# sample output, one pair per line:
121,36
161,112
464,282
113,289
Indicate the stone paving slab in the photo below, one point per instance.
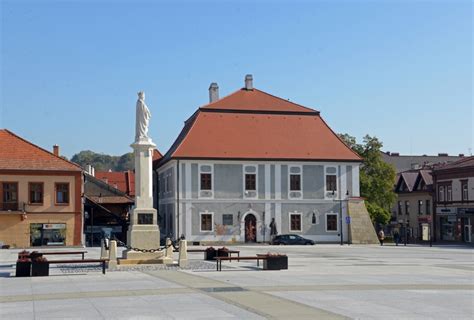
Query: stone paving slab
323,282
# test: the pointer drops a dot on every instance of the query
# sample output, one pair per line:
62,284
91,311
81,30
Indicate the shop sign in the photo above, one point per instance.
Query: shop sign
445,211
425,219
465,210
54,226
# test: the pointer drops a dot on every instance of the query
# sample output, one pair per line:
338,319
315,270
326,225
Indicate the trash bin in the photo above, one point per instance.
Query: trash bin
210,253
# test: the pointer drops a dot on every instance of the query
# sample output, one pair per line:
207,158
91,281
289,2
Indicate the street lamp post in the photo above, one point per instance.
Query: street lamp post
406,231
340,219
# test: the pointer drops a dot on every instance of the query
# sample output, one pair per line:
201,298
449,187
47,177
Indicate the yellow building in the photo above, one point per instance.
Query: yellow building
40,195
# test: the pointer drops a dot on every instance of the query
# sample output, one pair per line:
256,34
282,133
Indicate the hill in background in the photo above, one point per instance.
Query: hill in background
104,162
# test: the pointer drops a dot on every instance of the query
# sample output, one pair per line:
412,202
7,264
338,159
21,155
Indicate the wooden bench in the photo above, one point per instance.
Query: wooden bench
64,253
219,260
204,250
101,261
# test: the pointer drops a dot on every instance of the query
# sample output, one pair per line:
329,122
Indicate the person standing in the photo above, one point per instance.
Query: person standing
381,236
396,236
273,230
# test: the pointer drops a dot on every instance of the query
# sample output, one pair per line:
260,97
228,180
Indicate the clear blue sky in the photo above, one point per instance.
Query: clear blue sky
399,70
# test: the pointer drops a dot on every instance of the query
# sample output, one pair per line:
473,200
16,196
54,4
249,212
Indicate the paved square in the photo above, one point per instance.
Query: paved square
323,282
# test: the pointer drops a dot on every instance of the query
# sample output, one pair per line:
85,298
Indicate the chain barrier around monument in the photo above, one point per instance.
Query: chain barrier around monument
123,244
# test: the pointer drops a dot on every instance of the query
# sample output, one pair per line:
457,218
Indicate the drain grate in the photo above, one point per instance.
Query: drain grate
223,289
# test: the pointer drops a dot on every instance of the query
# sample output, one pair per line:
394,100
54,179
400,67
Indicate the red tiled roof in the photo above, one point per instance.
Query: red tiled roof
124,181
256,125
18,154
157,155
262,136
255,100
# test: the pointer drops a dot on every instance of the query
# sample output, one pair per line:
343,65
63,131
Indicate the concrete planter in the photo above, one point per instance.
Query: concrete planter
210,253
40,269
223,252
23,268
275,263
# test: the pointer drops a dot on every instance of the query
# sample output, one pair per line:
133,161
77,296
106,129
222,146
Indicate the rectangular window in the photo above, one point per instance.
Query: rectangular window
331,182
206,222
407,207
428,206
464,191
295,222
10,196
36,192
295,182
250,181
227,219
167,184
400,212
62,193
206,181
441,194
449,193
420,207
331,222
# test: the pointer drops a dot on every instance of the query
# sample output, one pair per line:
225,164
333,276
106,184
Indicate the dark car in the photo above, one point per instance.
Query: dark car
288,239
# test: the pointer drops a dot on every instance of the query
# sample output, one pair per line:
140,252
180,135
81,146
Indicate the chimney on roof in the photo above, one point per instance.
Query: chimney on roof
89,169
213,92
56,150
442,154
395,154
461,155
248,82
92,171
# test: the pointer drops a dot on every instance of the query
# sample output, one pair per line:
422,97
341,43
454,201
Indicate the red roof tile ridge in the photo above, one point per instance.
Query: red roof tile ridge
44,150
337,136
210,104
299,105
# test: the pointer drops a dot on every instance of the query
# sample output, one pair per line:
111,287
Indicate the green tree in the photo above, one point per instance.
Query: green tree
125,162
103,162
377,178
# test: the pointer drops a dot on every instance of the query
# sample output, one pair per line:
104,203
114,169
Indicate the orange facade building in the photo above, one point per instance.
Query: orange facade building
40,196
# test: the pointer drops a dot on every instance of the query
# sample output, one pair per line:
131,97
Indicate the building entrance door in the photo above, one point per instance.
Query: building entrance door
250,228
467,233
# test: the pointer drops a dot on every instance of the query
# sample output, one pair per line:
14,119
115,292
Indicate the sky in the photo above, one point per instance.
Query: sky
398,70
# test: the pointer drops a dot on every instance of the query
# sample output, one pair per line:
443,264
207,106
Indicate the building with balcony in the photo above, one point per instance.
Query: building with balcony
40,195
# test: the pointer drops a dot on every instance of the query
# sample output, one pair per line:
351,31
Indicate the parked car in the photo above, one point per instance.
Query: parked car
288,239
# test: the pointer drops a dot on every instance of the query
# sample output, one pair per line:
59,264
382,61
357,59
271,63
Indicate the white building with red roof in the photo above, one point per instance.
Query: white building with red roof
251,158
40,195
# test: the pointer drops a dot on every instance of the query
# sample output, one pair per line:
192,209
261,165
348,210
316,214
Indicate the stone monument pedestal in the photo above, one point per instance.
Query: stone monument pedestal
144,232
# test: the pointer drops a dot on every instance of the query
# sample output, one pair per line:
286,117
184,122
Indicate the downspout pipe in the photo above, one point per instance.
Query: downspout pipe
177,200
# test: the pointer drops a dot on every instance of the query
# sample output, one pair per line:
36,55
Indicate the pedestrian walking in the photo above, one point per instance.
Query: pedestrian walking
381,236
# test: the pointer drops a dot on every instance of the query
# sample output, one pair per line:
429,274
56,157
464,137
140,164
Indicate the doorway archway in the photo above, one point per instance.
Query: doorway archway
250,228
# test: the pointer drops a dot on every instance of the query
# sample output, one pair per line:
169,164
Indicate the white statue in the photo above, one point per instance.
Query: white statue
143,118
